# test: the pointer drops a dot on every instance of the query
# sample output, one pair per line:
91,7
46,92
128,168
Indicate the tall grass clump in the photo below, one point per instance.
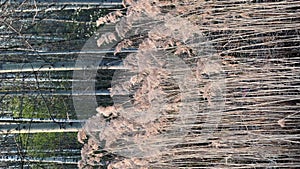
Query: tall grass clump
214,84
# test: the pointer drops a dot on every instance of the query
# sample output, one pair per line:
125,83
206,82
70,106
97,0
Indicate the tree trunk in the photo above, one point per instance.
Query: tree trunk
38,120
57,160
57,93
50,127
46,67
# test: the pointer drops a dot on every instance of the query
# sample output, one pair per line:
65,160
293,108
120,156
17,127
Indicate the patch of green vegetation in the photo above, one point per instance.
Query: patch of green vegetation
40,145
40,107
27,107
43,145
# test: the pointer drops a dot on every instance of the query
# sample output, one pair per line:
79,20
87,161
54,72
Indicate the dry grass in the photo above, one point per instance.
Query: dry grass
242,112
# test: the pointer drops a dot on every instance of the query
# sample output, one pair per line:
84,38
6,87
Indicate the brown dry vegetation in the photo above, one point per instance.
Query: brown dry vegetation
230,101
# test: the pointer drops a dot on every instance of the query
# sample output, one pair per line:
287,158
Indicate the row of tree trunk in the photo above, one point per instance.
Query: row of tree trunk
39,43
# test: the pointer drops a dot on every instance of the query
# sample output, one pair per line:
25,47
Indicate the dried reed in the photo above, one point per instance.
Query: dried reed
230,101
